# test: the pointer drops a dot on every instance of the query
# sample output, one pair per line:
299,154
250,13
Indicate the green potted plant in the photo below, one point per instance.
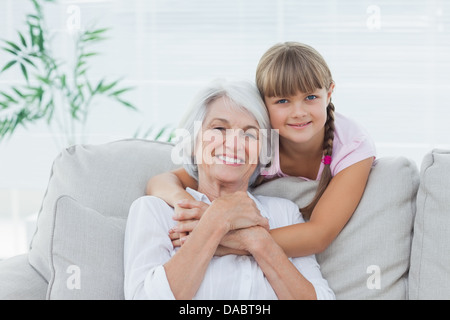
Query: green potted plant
56,91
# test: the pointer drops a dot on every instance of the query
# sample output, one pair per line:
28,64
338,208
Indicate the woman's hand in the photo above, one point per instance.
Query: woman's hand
238,211
242,241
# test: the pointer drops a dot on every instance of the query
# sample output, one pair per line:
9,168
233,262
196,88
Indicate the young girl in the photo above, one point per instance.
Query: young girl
315,143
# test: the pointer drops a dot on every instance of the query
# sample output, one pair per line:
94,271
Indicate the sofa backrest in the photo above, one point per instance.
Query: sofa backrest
430,256
78,244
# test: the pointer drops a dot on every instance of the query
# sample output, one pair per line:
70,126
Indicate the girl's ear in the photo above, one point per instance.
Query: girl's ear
330,92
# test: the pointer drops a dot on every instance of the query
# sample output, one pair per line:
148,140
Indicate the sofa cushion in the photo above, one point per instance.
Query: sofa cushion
106,178
86,253
430,259
20,281
370,257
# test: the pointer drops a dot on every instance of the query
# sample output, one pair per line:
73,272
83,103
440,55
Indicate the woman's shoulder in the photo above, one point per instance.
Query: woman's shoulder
146,206
149,201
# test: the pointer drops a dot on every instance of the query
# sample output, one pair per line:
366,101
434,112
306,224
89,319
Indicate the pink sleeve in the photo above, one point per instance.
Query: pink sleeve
357,150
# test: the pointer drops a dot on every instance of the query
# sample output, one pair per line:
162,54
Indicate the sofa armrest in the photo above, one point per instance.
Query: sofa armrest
20,281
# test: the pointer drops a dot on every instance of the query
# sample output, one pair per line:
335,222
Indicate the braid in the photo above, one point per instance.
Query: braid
329,131
327,151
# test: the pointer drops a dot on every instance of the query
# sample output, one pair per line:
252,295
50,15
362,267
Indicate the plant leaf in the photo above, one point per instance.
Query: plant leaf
7,96
97,31
10,51
22,39
24,71
160,133
45,80
107,87
4,105
63,81
29,62
9,65
19,93
13,45
89,54
99,85
49,109
119,92
127,104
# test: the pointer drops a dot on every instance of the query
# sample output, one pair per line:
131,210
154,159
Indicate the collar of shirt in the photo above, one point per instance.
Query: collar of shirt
202,197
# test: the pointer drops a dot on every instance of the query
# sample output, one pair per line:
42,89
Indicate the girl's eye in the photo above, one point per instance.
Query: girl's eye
311,97
281,101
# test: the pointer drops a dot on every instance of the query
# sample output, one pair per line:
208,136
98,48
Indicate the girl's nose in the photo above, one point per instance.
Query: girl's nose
298,110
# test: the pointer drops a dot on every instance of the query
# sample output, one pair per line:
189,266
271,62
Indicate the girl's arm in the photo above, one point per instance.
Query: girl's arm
332,212
170,186
329,217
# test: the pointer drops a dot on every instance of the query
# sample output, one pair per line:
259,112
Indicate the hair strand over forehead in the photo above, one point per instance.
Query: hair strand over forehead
292,67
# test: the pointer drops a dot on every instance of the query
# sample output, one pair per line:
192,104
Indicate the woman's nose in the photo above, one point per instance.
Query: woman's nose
235,140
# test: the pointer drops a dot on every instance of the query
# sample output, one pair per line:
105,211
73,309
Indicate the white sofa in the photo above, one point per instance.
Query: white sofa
396,245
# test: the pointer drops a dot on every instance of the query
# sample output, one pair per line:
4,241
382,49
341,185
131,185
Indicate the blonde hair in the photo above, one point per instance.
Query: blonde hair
291,67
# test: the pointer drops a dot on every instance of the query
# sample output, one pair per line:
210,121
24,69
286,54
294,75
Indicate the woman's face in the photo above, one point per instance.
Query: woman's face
227,148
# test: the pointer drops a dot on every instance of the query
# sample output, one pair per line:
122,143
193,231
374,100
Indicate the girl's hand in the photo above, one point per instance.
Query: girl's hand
189,210
178,239
187,213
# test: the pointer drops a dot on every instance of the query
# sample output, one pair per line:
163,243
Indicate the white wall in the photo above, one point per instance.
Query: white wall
390,62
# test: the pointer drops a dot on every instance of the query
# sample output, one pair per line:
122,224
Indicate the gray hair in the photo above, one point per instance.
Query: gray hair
243,95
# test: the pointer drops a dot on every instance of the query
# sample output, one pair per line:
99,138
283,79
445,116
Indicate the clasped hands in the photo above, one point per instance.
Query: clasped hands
237,211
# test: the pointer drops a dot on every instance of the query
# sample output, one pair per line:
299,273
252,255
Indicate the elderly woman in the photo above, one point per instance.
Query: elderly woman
224,159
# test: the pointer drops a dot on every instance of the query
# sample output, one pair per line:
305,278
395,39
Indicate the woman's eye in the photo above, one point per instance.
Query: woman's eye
219,128
311,97
251,135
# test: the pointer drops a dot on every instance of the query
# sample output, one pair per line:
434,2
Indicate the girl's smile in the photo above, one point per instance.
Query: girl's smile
300,125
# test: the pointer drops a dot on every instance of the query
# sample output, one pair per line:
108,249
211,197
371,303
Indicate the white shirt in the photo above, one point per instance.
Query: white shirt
148,247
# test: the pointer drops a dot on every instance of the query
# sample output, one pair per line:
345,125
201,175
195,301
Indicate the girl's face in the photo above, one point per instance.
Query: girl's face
300,118
229,147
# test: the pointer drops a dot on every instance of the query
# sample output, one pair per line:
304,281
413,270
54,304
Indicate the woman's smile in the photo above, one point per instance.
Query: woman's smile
231,160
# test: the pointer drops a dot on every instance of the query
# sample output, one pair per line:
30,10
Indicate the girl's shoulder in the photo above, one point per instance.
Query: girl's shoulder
352,143
348,130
